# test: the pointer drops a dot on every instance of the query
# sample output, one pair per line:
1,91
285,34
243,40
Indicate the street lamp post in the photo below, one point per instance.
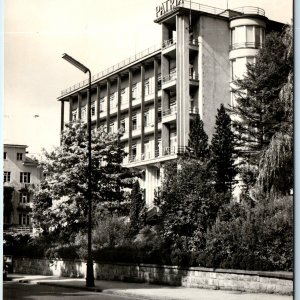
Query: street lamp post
89,265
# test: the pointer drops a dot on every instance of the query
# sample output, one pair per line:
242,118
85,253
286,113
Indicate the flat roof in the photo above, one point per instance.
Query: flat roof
15,146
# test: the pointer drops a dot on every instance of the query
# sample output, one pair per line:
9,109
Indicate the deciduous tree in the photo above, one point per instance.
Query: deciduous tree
61,201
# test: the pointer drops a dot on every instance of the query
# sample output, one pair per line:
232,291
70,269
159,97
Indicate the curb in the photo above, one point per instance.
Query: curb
91,289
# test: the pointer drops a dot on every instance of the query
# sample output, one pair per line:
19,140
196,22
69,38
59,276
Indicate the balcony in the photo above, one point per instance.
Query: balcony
159,155
169,81
169,48
194,111
172,110
19,229
168,43
24,206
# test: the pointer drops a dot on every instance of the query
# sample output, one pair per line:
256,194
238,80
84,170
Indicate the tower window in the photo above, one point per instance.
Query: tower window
19,156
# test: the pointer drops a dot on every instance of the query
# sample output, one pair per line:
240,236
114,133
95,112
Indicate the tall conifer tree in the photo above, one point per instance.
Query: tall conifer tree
198,139
222,152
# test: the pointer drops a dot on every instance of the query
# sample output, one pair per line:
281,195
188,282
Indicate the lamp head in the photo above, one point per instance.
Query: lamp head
75,63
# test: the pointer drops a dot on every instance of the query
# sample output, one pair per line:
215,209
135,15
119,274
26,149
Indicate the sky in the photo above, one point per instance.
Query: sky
97,33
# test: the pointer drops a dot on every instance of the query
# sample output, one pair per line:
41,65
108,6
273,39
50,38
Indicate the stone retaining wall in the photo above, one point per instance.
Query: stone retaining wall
196,277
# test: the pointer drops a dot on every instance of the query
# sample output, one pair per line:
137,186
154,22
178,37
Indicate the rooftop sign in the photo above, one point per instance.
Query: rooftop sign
167,6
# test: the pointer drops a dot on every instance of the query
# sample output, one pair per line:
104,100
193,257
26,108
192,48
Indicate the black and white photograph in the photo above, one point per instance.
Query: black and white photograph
148,150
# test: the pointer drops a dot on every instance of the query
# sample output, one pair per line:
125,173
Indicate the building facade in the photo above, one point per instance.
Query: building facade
154,95
20,176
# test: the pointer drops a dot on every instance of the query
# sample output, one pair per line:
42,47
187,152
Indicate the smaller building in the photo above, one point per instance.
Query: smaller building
20,175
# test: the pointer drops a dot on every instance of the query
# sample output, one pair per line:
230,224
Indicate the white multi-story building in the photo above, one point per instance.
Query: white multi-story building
20,176
155,94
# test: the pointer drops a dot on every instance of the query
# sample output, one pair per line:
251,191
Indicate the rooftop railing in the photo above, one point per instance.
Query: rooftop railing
114,68
251,10
220,11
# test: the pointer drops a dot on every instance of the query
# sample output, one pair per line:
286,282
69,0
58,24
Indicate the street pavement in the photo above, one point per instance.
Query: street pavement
143,291
23,291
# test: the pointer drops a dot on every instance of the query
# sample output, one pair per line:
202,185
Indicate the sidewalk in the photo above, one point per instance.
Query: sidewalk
144,291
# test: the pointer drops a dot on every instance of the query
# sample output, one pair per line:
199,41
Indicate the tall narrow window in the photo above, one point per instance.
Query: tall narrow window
146,118
147,87
24,197
4,155
74,115
147,154
134,152
249,36
93,109
173,141
123,93
6,176
134,122
83,112
123,124
24,177
111,127
101,104
134,91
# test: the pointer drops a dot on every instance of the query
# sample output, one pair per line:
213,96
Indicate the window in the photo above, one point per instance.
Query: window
134,122
123,93
233,69
83,112
134,152
19,156
173,141
147,152
122,124
4,155
247,36
24,197
101,104
147,87
93,109
74,115
159,113
6,176
111,127
146,118
24,219
24,177
159,81
134,91
112,97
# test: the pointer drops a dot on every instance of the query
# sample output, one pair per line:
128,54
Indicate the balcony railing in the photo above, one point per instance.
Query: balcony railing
194,42
172,110
24,206
168,43
194,76
159,153
255,45
194,110
169,77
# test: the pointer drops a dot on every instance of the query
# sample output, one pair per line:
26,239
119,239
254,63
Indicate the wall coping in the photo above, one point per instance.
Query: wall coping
270,274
